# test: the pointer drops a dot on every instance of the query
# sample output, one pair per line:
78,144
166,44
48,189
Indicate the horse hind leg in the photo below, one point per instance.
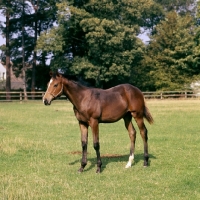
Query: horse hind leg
95,132
143,133
132,134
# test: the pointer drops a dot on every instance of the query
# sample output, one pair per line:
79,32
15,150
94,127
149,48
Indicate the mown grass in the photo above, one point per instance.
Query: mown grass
40,154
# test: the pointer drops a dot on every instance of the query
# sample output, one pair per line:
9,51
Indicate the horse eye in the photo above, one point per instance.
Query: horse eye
55,85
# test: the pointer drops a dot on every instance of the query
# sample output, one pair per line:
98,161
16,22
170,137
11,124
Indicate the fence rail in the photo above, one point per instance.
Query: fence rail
171,94
19,96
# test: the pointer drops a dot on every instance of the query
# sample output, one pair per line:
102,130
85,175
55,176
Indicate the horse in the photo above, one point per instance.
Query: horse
93,106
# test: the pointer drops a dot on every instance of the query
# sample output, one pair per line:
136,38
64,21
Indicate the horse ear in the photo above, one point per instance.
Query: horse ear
58,74
53,74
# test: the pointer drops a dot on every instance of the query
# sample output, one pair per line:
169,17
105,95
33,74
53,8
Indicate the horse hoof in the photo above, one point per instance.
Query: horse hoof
145,165
128,166
80,170
98,171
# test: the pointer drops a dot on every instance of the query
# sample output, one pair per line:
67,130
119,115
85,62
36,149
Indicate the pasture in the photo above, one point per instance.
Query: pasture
40,152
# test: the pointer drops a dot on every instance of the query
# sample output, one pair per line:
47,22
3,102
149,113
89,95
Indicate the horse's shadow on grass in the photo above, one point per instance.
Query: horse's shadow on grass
110,158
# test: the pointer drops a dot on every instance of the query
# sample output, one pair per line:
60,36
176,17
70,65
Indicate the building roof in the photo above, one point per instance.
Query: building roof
16,82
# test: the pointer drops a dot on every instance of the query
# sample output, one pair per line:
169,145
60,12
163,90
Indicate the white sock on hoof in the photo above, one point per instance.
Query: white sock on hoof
130,160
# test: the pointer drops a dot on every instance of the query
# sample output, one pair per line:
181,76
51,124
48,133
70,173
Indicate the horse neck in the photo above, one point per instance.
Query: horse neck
74,91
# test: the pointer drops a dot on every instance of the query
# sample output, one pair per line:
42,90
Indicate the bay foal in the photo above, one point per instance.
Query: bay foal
93,106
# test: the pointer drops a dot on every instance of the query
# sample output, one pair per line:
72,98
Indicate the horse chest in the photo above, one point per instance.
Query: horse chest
81,116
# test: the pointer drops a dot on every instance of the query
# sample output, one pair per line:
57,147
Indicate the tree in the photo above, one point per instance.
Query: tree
181,6
196,50
170,52
44,16
36,17
5,5
101,37
23,50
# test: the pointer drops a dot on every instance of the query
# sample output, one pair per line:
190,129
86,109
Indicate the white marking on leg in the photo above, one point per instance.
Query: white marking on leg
130,160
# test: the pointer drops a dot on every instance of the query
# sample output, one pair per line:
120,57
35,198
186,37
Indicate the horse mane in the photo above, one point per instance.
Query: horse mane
76,79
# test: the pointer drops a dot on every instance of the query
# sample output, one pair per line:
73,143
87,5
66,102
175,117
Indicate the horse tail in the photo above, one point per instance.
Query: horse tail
147,115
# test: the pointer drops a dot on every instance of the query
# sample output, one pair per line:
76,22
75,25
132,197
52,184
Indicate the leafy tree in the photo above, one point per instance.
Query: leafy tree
171,53
44,16
5,6
101,37
181,6
37,16
196,50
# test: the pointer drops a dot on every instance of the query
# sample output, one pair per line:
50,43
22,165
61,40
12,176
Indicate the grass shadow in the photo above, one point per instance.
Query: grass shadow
110,158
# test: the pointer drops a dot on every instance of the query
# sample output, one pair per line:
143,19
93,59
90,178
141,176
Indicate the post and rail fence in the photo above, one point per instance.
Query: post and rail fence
19,96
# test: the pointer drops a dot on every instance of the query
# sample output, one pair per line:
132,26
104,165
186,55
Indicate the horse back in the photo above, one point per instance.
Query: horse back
115,102
111,104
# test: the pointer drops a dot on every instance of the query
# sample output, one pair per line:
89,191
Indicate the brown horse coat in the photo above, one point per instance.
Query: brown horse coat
93,106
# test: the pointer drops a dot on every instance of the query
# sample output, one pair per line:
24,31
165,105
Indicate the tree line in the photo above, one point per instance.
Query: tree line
98,41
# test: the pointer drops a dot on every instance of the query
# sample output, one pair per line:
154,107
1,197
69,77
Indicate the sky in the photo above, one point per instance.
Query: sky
2,40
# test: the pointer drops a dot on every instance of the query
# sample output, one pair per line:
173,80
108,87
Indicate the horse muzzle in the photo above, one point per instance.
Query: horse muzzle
47,99
46,102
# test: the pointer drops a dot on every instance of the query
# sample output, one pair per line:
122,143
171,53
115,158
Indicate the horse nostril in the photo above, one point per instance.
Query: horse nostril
45,102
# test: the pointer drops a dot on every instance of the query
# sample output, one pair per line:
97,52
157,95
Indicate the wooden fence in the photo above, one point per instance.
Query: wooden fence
171,94
19,96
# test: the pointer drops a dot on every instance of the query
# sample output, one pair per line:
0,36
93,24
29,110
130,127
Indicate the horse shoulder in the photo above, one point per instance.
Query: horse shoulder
89,106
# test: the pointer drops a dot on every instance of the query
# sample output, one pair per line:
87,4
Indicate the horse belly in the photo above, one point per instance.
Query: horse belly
113,112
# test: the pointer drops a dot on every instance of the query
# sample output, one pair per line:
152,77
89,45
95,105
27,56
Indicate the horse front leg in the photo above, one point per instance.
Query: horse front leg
95,132
84,142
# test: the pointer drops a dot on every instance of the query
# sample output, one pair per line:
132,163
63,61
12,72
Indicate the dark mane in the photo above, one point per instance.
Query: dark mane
77,79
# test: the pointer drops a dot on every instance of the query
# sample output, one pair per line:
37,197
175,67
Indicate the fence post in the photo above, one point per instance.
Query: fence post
161,95
20,96
33,94
185,94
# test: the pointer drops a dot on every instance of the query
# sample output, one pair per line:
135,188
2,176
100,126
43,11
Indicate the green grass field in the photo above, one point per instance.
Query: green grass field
40,154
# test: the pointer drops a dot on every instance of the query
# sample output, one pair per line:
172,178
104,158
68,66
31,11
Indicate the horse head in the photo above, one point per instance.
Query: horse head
54,89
